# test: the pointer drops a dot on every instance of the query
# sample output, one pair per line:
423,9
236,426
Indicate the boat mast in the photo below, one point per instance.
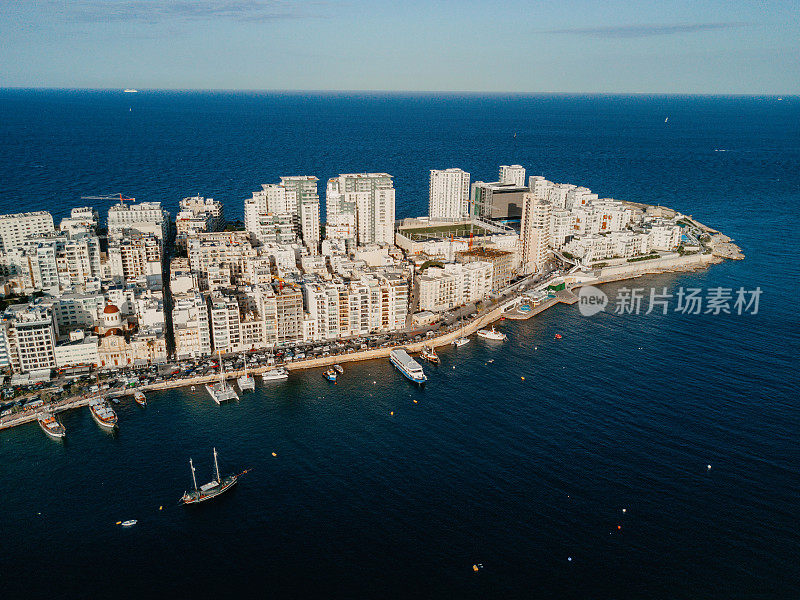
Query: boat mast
221,369
216,465
194,479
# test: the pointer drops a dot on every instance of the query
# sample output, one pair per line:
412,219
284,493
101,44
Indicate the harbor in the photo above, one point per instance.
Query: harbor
508,308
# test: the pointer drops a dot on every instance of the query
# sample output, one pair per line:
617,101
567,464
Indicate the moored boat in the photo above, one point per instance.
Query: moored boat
103,414
339,369
213,488
221,392
275,374
429,354
461,341
330,375
492,334
246,382
407,365
140,398
50,425
129,523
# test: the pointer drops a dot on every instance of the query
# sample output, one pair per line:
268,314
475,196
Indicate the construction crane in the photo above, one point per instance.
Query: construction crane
117,196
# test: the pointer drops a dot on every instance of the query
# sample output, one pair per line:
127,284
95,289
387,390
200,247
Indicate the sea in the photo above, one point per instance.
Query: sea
639,456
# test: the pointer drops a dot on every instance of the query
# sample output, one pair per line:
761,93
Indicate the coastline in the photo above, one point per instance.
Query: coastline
622,272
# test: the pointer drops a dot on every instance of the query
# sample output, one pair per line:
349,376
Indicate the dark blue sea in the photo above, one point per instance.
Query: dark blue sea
528,477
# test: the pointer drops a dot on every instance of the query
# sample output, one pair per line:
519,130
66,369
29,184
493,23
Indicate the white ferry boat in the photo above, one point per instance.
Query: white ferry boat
407,365
492,334
275,374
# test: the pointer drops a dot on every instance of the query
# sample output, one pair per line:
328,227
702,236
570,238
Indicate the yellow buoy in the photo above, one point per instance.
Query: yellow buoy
160,508
415,402
523,379
273,454
391,413
475,568
119,522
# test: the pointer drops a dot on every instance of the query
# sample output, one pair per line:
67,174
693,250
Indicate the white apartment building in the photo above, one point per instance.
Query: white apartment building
534,236
79,349
271,199
372,303
30,336
562,227
619,244
133,255
540,187
512,174
601,216
440,289
16,228
222,252
206,209
271,229
448,194
83,219
190,326
304,188
370,199
145,217
579,196
665,237
77,311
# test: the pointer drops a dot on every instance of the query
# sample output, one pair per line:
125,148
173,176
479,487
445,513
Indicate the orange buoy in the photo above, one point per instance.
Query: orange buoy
619,526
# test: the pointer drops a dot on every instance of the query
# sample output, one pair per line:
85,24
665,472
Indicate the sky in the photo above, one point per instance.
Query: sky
571,46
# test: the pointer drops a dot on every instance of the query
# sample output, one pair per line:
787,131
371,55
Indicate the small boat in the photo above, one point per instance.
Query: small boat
103,414
338,369
330,375
130,91
558,336
275,374
130,523
140,398
246,382
458,342
213,488
429,354
492,334
221,392
407,365
50,425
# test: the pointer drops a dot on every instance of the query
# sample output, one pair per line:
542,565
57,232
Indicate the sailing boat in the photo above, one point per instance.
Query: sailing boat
213,488
461,340
221,392
246,382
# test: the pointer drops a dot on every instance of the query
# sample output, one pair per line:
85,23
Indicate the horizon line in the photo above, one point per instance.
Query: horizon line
409,92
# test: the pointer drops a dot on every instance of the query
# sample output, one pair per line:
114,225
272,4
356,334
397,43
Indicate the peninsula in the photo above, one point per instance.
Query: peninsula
148,303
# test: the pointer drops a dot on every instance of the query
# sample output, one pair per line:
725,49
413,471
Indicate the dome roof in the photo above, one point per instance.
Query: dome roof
110,309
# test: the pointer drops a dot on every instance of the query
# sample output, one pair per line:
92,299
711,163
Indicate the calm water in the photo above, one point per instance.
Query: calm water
519,474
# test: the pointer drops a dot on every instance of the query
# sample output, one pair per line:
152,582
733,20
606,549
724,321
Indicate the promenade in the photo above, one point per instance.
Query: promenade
487,317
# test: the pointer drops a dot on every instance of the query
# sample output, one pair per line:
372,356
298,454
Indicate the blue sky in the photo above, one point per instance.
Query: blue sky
645,46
